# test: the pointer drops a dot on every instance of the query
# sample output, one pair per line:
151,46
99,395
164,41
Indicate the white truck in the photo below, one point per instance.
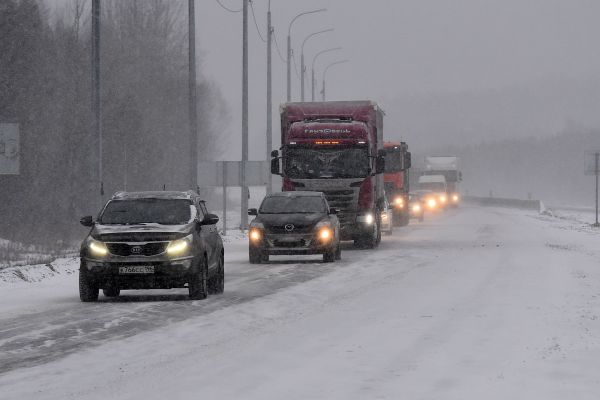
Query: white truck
448,166
437,185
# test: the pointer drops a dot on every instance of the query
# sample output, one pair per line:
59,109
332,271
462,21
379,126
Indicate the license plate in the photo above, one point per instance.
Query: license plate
137,269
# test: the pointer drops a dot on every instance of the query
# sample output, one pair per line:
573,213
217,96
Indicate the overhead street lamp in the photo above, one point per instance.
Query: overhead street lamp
289,50
312,85
325,73
302,66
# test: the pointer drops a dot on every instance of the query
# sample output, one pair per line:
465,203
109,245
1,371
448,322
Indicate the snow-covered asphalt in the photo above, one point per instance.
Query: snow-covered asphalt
474,303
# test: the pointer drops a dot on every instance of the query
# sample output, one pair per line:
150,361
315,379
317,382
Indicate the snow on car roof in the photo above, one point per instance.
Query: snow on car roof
297,193
154,195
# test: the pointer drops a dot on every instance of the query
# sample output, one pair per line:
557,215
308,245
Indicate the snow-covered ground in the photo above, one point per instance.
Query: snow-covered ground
475,303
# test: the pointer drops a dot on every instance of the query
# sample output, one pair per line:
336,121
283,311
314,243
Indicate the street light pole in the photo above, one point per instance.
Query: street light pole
313,82
289,50
244,202
302,66
193,116
269,100
325,73
96,104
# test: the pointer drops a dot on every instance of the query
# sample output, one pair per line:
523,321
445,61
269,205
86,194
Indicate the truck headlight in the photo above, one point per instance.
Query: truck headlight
97,248
443,199
455,198
431,203
416,208
180,246
399,202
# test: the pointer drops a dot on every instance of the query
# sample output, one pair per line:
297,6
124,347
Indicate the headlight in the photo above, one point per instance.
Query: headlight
180,246
416,208
325,234
431,203
443,199
255,234
97,248
399,202
455,198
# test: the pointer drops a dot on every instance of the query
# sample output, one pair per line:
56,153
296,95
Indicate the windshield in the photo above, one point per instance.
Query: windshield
434,186
292,204
306,163
393,160
160,211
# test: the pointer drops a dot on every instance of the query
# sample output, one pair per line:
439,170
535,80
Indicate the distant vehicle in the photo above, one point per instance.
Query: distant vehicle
336,148
152,240
437,184
416,206
448,167
387,218
397,184
428,199
294,223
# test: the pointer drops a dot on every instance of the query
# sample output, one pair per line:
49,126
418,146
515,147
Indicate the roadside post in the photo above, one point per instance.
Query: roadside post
592,167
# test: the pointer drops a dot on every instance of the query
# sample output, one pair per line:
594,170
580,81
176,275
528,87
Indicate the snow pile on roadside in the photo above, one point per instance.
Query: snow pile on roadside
38,272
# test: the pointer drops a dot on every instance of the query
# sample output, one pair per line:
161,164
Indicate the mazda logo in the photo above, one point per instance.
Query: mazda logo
136,249
289,227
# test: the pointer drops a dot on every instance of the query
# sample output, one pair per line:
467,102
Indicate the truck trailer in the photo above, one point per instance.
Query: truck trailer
336,148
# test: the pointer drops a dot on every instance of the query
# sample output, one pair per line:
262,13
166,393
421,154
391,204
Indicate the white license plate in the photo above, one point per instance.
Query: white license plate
137,269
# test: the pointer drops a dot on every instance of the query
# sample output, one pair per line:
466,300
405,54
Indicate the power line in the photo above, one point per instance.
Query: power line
277,47
255,23
227,8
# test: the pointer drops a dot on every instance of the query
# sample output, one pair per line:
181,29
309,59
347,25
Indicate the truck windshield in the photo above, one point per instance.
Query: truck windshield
433,186
138,211
304,163
292,205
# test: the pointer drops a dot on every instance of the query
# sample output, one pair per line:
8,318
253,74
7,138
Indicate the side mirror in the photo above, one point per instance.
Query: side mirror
275,153
380,164
252,211
275,168
209,219
333,211
407,160
88,221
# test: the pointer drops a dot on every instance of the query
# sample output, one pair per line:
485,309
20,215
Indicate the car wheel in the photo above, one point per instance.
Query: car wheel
198,284
88,291
254,255
329,255
216,284
111,291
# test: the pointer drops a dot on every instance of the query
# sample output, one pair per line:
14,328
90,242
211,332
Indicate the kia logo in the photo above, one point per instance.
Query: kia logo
136,249
289,227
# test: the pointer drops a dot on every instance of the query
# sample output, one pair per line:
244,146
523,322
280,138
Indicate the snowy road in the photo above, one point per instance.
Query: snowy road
474,303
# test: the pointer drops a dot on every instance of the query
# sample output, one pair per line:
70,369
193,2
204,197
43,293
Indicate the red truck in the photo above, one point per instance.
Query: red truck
397,167
337,148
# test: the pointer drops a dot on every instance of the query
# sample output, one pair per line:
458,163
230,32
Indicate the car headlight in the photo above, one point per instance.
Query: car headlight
97,248
431,203
255,234
455,198
399,202
416,208
180,246
443,199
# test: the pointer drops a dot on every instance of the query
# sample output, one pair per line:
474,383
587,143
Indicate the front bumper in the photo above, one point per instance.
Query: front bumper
166,274
288,244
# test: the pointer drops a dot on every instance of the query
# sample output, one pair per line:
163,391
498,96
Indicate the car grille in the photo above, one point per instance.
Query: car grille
280,229
146,249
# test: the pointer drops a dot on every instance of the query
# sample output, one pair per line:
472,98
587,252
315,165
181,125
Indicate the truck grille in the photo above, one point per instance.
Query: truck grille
341,199
147,249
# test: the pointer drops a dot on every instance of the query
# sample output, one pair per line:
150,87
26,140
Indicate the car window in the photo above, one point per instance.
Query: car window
292,204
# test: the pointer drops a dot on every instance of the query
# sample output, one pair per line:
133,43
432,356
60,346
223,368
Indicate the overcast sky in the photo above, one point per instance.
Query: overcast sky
400,47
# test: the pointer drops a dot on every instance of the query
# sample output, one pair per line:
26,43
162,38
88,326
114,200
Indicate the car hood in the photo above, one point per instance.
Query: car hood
298,220
140,232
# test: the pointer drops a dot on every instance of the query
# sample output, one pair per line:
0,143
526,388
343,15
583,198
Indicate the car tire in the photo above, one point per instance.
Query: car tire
198,284
255,256
88,291
216,284
329,255
111,291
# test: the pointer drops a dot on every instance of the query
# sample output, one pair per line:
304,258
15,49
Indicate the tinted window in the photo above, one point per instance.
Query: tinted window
161,211
292,204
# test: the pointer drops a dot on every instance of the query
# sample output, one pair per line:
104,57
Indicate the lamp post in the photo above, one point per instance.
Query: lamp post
269,100
312,85
325,73
302,67
289,50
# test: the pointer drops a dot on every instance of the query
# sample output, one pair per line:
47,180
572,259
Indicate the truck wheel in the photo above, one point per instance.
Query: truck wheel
88,291
216,283
111,291
254,255
198,284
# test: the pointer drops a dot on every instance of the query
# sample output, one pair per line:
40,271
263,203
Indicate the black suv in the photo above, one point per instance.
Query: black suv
294,223
152,240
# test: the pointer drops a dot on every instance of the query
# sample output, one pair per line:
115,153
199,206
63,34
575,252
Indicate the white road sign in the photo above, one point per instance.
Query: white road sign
592,162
